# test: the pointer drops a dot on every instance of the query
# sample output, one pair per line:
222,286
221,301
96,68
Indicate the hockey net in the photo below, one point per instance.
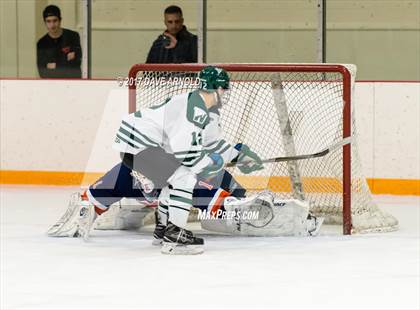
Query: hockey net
285,110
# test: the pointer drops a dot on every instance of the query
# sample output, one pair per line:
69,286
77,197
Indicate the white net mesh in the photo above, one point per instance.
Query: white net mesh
285,114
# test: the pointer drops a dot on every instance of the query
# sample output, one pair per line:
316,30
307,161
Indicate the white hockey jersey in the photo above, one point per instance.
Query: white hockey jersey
182,125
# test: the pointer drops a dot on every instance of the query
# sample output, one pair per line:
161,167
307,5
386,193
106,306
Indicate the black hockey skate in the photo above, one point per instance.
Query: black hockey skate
158,234
177,240
159,230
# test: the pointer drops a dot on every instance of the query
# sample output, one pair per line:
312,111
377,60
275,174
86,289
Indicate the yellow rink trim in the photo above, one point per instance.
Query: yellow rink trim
47,177
276,183
394,186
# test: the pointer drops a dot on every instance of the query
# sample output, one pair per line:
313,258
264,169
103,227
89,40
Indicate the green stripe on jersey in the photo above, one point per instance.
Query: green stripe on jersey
188,155
189,161
128,142
132,137
198,150
193,162
153,143
217,147
213,143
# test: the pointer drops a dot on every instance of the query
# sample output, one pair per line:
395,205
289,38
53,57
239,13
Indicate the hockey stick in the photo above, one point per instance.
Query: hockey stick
298,157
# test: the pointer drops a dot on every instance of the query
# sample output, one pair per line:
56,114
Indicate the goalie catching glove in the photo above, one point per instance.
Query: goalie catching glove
247,160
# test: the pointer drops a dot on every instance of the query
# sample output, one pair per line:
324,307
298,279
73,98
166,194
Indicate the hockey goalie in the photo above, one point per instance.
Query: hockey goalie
173,153
219,210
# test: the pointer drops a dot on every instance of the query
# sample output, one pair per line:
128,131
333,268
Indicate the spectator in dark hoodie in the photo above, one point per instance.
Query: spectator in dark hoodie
176,44
58,52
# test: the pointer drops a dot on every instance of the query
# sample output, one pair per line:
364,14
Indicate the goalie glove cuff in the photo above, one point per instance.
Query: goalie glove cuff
238,146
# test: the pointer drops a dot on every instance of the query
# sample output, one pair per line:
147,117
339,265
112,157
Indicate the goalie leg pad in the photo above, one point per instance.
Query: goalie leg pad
123,215
291,217
77,221
275,217
66,226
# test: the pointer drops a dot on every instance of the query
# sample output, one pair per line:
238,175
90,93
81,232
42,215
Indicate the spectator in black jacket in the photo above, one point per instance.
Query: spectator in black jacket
176,44
58,52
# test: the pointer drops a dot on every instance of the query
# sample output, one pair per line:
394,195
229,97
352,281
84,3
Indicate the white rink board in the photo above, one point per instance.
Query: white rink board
70,125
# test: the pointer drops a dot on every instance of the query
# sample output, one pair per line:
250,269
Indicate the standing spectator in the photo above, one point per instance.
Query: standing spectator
58,52
176,44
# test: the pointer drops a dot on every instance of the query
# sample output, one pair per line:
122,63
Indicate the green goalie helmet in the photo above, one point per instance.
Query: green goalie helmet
211,78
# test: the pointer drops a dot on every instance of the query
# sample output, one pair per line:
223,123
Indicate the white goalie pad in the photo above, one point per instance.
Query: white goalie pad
262,215
77,221
127,215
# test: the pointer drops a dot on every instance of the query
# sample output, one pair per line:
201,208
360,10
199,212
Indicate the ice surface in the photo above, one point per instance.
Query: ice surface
122,270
